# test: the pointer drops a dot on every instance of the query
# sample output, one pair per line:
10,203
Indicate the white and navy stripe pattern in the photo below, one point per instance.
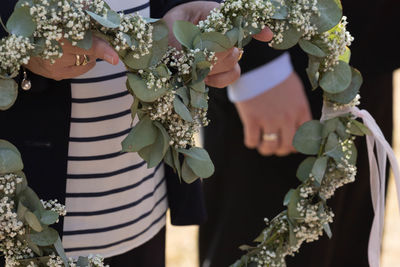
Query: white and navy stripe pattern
114,202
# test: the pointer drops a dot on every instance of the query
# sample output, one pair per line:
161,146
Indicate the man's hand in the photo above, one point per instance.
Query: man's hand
227,69
280,110
65,68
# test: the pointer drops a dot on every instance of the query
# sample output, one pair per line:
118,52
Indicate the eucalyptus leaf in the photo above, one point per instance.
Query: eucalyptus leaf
30,200
23,184
199,161
111,21
21,210
212,41
341,130
311,48
87,41
307,139
198,100
319,168
47,237
330,14
60,251
21,22
233,35
33,221
293,213
141,91
182,110
10,158
48,217
333,148
182,92
327,230
177,162
336,80
143,134
185,32
304,169
153,154
350,92
199,87
280,11
82,262
354,153
168,159
164,135
288,196
313,71
187,173
8,93
329,126
34,247
364,129
291,37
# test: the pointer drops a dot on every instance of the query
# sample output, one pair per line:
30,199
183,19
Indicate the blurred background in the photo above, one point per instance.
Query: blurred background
182,241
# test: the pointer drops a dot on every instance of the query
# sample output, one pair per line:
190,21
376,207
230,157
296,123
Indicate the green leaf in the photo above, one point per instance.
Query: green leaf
313,71
141,91
185,32
327,230
153,154
168,159
199,161
48,217
182,92
47,237
60,251
187,173
34,247
163,71
338,79
160,42
293,213
364,129
199,87
87,41
319,168
177,162
341,130
292,235
354,153
280,11
8,93
82,262
198,100
350,92
164,135
23,184
311,48
288,196
233,36
330,15
142,135
291,37
333,148
21,23
21,210
30,200
111,21
346,55
10,158
304,169
329,126
33,221
182,110
307,139
212,41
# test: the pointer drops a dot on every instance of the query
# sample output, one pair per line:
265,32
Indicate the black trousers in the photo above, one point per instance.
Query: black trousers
150,254
247,187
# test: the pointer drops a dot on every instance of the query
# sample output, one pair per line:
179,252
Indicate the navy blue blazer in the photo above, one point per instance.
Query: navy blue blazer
38,124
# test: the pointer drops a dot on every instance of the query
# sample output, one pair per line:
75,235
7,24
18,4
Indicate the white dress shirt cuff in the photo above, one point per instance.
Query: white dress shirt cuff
261,79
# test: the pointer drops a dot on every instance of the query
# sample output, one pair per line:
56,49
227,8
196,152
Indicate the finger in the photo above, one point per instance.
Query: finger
226,63
100,49
286,137
269,147
252,133
265,35
222,80
74,71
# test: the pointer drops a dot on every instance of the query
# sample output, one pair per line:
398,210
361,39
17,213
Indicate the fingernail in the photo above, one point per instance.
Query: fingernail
109,58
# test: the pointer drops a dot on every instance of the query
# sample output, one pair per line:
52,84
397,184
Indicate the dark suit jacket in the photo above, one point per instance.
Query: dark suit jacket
38,124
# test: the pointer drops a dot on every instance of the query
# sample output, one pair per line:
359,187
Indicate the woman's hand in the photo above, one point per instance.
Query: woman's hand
227,69
65,68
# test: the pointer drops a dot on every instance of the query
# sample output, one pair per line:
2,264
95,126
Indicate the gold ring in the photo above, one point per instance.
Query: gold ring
240,54
270,137
85,60
78,60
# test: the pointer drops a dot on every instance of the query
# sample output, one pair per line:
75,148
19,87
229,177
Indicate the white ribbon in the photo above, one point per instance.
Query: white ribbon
377,166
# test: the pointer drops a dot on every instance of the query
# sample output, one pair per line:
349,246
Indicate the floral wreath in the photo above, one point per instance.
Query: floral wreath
170,100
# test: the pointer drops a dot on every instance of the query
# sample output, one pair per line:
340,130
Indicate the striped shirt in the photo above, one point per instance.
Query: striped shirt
114,202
